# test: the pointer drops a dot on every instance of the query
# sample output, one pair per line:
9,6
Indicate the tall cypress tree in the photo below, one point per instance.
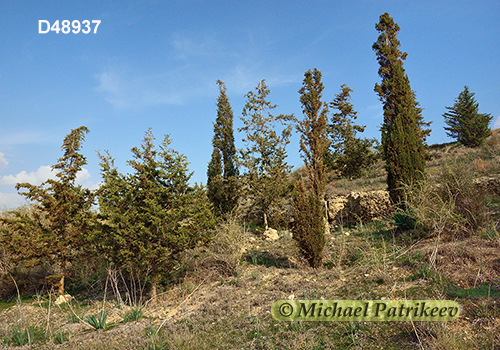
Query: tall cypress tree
403,133
309,217
222,171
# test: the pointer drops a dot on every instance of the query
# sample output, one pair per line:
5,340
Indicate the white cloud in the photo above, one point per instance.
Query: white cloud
376,111
35,177
23,138
4,163
186,47
10,200
124,89
191,70
42,174
83,178
496,125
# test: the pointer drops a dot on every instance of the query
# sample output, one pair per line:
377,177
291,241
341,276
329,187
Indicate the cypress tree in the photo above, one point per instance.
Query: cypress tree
222,171
403,133
465,123
309,230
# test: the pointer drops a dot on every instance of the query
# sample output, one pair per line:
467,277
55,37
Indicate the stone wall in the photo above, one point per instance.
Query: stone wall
489,184
366,206
358,206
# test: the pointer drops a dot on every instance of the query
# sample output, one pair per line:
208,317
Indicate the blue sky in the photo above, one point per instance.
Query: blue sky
155,64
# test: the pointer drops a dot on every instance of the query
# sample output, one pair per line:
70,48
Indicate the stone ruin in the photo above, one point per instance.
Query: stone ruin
358,206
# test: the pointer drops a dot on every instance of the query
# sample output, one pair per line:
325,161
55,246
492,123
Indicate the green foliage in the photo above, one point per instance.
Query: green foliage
309,226
266,180
222,172
465,123
61,336
347,154
313,130
99,322
150,216
134,314
483,290
23,336
309,221
57,229
404,220
403,133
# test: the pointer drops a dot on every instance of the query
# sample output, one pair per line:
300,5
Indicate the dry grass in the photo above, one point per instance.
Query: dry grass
232,311
223,297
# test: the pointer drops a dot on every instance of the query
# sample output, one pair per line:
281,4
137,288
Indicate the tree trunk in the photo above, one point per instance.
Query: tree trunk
61,285
265,222
154,292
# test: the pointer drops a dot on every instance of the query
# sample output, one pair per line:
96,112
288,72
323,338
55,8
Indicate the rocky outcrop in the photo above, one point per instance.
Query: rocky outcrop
489,184
365,206
358,206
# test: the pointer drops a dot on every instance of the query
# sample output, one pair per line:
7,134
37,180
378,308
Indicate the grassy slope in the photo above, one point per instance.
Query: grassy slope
229,308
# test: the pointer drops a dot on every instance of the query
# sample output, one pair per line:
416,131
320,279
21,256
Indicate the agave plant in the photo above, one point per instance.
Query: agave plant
99,322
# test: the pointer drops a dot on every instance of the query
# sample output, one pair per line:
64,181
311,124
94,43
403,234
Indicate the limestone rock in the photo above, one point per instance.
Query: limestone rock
62,299
358,206
270,235
489,184
336,207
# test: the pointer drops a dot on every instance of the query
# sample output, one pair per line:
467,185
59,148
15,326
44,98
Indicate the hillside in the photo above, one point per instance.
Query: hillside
220,297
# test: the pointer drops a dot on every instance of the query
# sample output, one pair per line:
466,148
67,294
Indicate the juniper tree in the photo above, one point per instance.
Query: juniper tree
403,129
222,171
57,230
308,209
264,157
150,216
465,123
347,153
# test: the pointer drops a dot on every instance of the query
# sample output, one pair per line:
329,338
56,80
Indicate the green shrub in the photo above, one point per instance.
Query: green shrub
134,314
23,336
404,220
99,322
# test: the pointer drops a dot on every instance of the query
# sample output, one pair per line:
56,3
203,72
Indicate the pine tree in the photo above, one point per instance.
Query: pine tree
58,229
222,172
150,216
264,157
347,153
403,130
465,123
309,217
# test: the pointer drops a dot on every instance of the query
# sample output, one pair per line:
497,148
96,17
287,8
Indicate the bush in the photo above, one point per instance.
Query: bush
452,205
404,220
223,254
